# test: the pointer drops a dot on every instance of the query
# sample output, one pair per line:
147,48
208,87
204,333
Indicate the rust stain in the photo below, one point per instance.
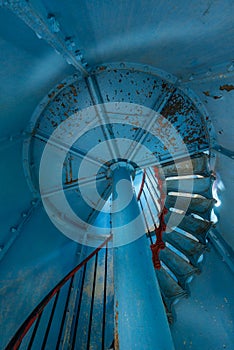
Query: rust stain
177,105
60,86
66,173
116,340
227,87
69,182
73,89
51,95
215,97
102,68
70,168
54,124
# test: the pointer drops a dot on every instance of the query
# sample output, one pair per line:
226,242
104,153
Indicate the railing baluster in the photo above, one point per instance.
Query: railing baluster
146,223
104,300
156,204
92,302
36,314
153,179
50,321
34,332
78,309
151,214
64,313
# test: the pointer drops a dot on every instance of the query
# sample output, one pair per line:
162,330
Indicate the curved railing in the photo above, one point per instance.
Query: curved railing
150,200
36,315
152,207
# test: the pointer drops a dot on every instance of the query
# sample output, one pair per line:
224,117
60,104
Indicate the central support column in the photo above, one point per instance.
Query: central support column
140,319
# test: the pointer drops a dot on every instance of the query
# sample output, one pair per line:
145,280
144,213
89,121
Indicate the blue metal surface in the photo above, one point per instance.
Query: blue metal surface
192,47
160,40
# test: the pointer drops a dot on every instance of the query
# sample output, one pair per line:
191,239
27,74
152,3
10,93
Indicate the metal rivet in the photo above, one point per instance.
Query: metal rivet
230,68
54,25
38,35
68,61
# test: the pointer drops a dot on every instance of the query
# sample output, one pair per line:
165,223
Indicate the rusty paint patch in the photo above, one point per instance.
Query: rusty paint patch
116,340
60,86
51,95
215,97
227,87
102,68
73,89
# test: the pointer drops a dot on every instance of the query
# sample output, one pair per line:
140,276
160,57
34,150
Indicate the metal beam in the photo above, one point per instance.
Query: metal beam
76,185
17,229
218,72
49,30
99,106
141,135
167,158
226,152
40,135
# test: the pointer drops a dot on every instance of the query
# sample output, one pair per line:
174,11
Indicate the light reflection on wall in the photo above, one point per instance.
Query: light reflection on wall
217,186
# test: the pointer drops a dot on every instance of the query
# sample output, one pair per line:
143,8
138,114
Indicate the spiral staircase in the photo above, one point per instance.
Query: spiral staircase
100,124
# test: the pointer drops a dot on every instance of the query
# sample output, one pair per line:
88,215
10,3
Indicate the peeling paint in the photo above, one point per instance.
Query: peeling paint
226,87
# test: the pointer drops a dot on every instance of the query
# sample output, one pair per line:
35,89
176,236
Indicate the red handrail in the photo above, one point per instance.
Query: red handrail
142,186
159,244
15,342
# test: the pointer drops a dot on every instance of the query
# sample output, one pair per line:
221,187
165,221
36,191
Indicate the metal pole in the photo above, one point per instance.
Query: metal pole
140,319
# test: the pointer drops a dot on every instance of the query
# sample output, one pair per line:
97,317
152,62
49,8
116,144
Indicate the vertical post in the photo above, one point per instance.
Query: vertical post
140,319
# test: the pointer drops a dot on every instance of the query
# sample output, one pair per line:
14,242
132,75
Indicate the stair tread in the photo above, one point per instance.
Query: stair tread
170,289
181,268
190,248
201,186
199,166
200,206
198,228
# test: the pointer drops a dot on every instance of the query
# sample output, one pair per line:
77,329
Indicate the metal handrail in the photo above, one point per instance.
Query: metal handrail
161,227
36,314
